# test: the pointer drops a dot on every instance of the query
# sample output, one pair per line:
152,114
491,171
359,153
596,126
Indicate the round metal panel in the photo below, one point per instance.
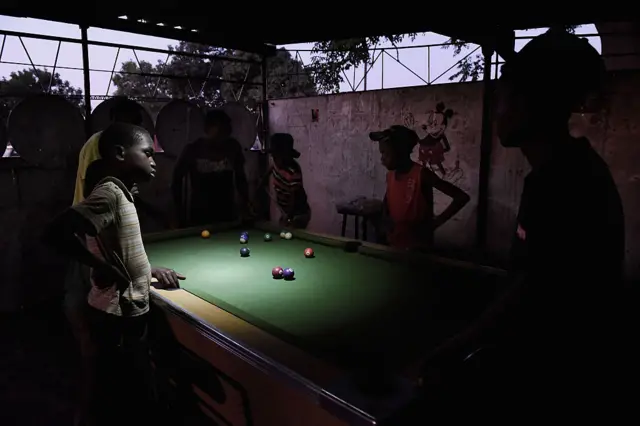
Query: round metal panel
45,130
243,124
101,117
3,138
179,122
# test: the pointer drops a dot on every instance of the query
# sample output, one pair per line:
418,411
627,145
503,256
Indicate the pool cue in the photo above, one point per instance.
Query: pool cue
185,207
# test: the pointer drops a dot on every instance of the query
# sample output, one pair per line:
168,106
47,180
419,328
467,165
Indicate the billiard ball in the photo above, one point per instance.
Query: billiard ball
288,274
288,235
282,234
308,252
277,272
244,252
205,234
243,240
267,237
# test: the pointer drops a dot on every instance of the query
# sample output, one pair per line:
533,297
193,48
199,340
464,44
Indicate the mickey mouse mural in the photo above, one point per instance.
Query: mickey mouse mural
435,144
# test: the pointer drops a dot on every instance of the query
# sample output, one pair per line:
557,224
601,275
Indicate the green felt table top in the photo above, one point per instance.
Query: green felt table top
339,301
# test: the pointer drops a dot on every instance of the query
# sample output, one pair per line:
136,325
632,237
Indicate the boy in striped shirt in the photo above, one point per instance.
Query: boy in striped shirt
286,177
120,273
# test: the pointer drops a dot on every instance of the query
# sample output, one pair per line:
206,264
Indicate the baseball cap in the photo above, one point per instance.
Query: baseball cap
282,143
396,135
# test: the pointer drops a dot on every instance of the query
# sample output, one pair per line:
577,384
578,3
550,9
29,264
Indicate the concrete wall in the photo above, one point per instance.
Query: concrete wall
340,163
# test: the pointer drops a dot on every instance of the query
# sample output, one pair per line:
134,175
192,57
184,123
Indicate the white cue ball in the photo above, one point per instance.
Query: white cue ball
288,235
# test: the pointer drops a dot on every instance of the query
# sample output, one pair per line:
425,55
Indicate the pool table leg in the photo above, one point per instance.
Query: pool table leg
344,225
357,226
364,229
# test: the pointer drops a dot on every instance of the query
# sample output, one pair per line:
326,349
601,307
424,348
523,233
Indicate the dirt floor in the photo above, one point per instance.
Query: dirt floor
37,363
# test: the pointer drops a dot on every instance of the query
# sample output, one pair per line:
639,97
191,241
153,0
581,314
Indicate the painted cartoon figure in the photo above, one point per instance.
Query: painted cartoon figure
434,145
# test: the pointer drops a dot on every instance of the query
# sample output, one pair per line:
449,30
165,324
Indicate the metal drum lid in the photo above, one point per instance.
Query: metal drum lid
243,123
3,137
101,116
45,130
179,123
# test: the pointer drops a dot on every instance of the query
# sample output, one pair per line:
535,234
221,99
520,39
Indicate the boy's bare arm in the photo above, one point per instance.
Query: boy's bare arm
242,185
459,198
384,223
66,233
485,329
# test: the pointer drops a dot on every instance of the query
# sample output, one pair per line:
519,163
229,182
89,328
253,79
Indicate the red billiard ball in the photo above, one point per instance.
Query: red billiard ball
277,272
308,252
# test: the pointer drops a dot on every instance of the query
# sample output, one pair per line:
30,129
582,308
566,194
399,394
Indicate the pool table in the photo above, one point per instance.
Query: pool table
335,345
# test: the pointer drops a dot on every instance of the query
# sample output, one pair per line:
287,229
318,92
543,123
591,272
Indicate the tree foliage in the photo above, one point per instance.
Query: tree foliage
331,59
471,66
211,81
35,81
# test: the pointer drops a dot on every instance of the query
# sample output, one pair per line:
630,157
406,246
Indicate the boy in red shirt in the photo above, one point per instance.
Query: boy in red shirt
408,203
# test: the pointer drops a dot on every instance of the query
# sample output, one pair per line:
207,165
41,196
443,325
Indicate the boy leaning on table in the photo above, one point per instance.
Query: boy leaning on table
118,301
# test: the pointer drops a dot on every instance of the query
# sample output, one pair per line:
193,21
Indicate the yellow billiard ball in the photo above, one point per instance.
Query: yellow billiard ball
205,234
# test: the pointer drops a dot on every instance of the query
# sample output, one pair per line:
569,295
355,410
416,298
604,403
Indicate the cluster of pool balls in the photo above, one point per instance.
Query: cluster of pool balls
278,272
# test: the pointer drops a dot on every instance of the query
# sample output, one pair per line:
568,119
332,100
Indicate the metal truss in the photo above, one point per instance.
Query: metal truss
154,79
379,54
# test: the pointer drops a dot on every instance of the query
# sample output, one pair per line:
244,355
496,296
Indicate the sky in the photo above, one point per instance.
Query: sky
413,54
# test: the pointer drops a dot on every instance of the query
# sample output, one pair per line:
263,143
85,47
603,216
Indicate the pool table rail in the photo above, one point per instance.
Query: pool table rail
261,362
421,258
188,232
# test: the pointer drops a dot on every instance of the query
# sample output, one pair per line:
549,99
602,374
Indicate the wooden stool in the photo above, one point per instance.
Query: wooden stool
367,209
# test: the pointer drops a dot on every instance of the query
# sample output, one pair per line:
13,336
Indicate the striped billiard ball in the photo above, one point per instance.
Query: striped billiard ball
277,272
288,274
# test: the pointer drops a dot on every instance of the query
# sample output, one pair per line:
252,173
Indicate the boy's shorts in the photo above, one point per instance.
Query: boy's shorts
77,284
121,369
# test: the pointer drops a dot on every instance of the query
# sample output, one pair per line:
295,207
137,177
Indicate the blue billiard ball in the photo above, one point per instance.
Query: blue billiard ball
244,252
288,274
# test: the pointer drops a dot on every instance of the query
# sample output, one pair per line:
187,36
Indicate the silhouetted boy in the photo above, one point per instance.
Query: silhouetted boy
213,167
559,327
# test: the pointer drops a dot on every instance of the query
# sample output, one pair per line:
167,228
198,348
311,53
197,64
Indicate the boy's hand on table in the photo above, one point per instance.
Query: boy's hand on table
167,278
